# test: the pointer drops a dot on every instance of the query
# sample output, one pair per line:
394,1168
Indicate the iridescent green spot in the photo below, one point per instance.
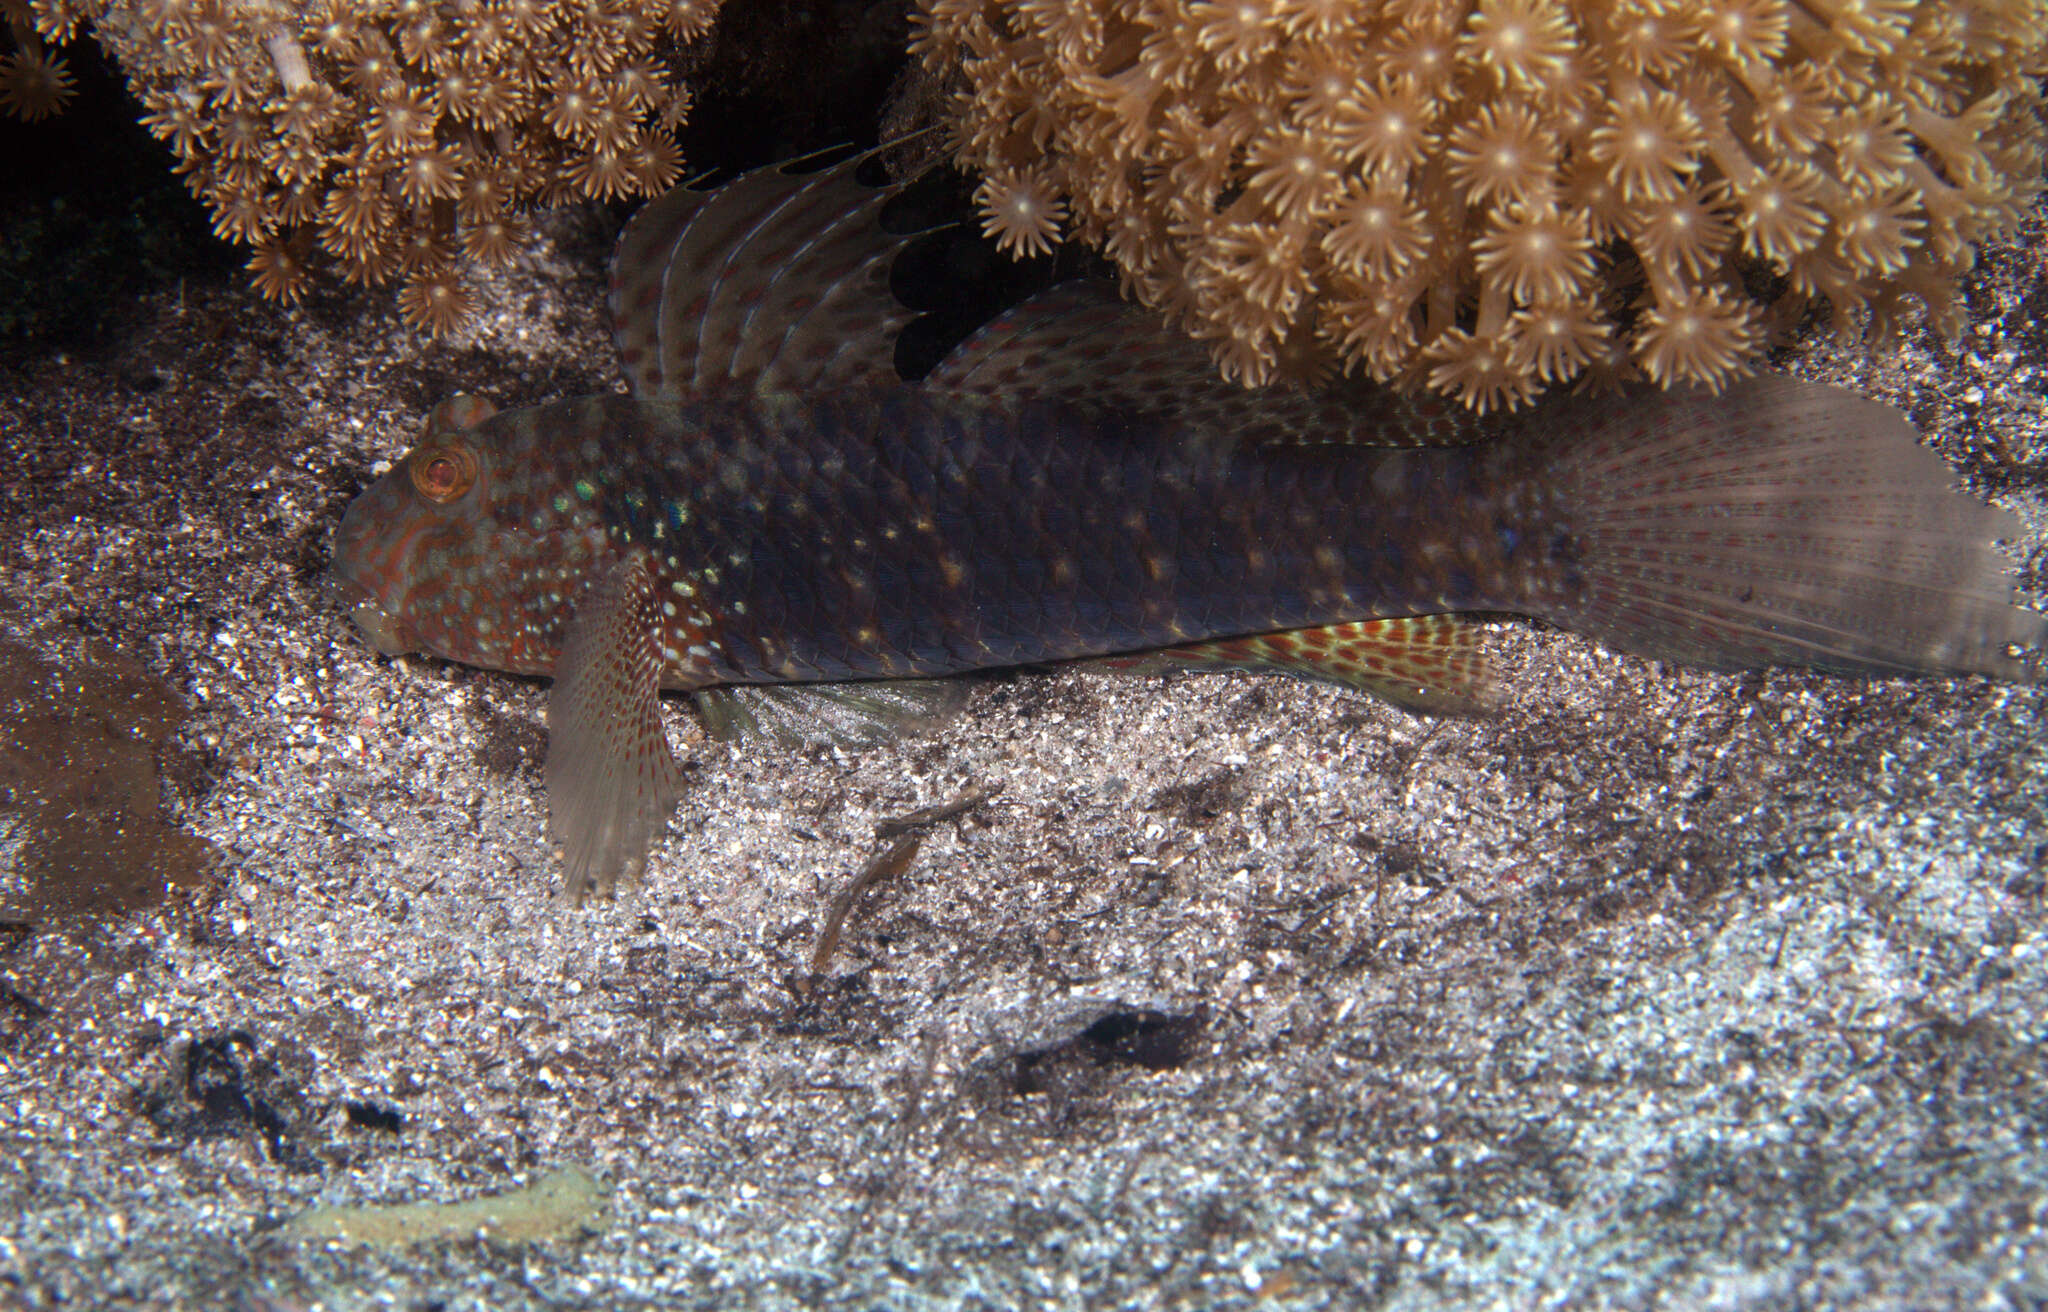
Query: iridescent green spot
586,489
561,503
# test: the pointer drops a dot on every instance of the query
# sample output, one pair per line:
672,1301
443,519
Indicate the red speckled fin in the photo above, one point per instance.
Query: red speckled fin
1432,664
1080,344
845,714
776,281
612,780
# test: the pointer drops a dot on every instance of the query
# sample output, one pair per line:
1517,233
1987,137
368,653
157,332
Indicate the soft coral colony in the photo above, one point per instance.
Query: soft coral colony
395,138
1487,198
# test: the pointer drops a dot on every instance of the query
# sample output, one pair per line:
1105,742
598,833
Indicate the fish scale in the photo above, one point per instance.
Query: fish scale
813,548
810,552
967,541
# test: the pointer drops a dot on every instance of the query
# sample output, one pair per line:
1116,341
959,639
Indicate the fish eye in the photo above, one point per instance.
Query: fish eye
444,470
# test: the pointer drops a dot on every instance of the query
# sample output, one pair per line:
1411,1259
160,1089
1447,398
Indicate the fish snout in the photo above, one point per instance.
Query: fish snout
388,633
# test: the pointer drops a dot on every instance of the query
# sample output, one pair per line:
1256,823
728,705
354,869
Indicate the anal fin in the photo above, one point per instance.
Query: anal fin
612,780
1430,664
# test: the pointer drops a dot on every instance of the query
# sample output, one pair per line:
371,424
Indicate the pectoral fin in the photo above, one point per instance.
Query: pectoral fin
612,780
1432,664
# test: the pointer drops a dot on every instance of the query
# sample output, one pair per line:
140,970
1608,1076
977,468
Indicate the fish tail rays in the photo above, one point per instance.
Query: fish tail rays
1782,522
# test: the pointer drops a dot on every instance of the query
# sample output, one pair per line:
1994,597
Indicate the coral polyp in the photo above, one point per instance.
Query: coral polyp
1487,197
390,138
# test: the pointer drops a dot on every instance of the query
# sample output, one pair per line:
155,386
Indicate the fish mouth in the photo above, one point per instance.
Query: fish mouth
380,628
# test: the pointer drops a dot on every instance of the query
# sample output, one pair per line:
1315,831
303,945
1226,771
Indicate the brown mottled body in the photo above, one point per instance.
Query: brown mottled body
891,535
780,524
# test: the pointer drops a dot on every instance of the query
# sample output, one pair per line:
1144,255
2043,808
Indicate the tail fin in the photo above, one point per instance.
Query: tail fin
1786,523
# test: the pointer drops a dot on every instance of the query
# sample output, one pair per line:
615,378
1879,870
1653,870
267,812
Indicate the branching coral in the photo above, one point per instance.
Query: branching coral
394,138
1488,196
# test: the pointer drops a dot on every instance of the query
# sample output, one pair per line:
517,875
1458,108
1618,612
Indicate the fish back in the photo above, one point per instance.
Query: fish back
891,535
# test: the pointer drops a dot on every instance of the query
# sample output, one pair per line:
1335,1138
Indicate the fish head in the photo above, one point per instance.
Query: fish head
430,556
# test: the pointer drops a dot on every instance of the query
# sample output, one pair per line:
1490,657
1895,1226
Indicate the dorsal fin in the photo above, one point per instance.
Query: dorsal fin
639,272
779,282
776,281
1079,344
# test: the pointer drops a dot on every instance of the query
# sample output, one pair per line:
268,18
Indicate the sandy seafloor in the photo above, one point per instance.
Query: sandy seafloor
1659,990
